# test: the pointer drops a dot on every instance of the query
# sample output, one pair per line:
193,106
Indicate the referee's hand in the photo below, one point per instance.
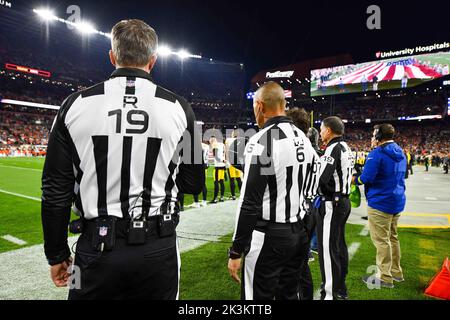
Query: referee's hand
60,273
234,265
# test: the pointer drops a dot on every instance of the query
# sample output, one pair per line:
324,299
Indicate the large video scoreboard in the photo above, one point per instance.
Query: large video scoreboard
378,75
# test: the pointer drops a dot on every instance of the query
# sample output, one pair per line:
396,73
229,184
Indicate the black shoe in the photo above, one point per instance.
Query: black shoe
398,279
213,201
365,218
221,199
341,296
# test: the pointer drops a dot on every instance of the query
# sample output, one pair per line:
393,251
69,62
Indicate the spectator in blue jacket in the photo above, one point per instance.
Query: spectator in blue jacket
384,180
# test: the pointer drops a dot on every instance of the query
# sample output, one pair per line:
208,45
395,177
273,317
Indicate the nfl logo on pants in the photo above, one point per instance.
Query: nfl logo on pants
103,231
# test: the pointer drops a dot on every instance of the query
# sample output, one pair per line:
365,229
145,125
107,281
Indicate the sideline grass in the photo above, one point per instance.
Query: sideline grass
20,217
204,272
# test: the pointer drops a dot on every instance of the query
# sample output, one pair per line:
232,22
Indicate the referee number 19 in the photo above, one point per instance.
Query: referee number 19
136,119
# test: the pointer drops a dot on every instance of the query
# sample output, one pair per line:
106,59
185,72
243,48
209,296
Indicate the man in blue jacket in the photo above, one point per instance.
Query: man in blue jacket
384,180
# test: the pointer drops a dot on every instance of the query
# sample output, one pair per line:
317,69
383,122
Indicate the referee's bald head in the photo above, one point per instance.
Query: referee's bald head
271,94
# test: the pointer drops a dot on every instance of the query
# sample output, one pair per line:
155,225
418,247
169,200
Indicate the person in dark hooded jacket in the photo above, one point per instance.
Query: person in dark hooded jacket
384,179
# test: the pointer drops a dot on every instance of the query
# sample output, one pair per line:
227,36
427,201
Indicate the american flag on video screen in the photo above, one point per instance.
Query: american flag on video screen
386,71
448,106
287,93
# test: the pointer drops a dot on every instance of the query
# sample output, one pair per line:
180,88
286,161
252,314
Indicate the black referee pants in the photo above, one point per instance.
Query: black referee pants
149,271
273,264
306,287
333,253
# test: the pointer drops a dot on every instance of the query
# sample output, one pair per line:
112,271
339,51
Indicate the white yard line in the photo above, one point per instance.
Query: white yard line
20,195
352,250
15,240
431,198
365,231
24,272
354,246
19,168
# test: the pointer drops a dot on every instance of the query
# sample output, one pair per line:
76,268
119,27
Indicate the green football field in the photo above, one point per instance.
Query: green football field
204,272
20,191
419,266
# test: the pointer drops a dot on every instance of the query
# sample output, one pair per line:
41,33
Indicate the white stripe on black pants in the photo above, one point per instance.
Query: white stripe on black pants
333,253
272,265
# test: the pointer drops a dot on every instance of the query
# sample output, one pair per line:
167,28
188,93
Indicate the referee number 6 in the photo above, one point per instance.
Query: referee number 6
138,119
300,154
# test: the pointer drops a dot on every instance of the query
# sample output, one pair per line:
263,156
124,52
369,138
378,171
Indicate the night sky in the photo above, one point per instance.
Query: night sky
264,35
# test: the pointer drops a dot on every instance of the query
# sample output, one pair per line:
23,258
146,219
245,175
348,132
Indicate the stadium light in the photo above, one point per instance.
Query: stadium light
85,27
164,51
45,14
183,54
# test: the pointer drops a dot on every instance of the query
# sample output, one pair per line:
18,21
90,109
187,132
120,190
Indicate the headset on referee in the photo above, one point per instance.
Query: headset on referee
120,151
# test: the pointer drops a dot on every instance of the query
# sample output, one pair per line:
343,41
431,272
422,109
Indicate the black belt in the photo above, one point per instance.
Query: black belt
122,226
269,225
332,198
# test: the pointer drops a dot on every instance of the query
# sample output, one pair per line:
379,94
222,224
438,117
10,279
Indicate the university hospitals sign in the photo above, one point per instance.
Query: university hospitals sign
411,51
4,3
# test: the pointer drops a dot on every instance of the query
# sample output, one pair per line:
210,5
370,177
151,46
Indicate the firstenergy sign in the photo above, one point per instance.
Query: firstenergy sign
279,74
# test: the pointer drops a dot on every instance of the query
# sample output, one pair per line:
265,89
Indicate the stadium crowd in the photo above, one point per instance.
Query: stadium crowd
214,89
24,130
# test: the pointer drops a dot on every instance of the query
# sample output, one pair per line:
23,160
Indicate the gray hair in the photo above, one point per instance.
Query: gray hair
133,42
313,136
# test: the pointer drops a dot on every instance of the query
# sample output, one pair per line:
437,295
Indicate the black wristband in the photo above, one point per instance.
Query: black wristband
233,254
59,258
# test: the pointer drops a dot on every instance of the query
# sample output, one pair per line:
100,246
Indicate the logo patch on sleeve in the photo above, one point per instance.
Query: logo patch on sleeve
327,159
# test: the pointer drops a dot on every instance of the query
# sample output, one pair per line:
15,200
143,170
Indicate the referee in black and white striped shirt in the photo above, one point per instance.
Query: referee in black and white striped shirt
334,189
280,172
120,151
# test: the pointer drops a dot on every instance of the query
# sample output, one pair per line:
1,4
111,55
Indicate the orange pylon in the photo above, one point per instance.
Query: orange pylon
440,284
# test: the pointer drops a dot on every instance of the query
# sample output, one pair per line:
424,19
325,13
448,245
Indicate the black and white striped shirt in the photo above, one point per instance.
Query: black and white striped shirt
281,170
337,169
112,141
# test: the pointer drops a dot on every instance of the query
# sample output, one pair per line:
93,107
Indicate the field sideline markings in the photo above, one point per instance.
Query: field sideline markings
365,231
422,226
424,214
354,246
19,168
20,195
15,240
426,244
428,215
428,262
